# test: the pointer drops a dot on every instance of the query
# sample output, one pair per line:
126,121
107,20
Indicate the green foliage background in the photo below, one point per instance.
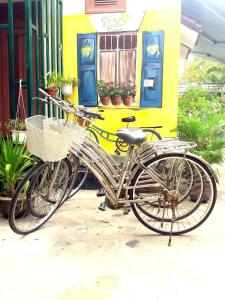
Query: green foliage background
201,119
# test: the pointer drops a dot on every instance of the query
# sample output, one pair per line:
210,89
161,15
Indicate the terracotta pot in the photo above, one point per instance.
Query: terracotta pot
105,100
116,100
195,191
52,91
5,204
128,100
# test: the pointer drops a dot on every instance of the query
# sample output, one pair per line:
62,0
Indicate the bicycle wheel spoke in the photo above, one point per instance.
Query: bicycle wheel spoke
47,184
187,204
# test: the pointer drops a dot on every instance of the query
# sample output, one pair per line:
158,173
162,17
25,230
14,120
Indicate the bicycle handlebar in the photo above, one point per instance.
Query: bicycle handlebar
80,111
58,102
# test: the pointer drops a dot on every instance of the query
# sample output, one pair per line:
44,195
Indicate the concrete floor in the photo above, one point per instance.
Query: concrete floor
85,254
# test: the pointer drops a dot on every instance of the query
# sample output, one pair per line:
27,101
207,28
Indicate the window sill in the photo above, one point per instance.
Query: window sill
121,106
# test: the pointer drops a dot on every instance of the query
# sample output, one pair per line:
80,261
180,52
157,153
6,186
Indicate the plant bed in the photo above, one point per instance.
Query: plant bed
5,204
14,162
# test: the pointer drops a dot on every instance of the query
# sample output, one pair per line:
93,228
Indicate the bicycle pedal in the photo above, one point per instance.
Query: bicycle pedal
102,206
100,192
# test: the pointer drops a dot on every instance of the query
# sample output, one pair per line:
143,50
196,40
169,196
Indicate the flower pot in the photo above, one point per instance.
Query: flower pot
105,100
52,91
5,204
67,90
116,100
128,100
194,192
21,135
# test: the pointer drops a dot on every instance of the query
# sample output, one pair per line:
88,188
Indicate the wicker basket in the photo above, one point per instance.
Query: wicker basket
50,139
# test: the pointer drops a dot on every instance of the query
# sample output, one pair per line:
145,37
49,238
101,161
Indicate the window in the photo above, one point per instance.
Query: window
117,56
103,6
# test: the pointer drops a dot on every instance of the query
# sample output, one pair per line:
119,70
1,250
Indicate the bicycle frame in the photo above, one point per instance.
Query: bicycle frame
112,137
111,176
106,135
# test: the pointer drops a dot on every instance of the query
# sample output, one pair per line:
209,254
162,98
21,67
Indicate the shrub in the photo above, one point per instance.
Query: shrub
14,161
201,119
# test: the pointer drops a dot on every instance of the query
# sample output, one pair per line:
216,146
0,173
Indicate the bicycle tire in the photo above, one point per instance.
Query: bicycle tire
152,135
34,208
79,175
32,220
191,176
197,215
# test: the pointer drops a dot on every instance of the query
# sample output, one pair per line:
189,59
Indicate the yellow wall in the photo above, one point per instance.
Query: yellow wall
164,20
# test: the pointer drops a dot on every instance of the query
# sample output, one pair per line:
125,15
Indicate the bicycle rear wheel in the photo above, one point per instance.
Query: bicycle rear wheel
152,135
38,196
190,201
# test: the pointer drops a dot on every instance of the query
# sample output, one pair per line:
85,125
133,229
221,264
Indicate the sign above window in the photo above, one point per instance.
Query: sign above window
117,22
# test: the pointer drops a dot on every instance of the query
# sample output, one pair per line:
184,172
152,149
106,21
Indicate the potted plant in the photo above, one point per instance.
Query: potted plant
14,161
18,129
52,84
67,83
103,89
129,92
116,92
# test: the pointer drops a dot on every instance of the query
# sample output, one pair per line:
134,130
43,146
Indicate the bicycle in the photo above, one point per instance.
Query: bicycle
95,132
157,187
121,146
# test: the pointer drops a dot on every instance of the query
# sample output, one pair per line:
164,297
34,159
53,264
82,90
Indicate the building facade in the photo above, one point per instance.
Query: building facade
119,41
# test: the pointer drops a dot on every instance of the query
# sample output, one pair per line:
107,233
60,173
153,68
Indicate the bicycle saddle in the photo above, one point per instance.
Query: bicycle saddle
129,119
132,136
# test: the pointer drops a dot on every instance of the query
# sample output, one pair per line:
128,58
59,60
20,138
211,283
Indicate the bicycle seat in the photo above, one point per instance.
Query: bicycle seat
132,136
128,119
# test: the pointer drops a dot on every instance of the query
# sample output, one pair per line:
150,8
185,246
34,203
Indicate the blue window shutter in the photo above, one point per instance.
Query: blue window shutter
152,69
87,63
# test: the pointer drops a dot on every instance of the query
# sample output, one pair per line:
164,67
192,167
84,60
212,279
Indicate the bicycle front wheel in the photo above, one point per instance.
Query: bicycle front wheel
188,202
78,177
38,196
79,170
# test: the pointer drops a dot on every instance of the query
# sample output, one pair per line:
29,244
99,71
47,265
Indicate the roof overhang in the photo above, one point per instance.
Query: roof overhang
210,15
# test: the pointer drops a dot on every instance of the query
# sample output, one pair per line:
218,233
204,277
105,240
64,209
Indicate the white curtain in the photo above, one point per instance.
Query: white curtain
108,66
127,66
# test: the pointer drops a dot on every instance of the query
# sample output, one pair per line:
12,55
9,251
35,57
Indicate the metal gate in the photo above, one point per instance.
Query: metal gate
42,52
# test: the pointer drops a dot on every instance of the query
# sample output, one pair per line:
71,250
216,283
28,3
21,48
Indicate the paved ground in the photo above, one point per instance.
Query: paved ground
85,254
